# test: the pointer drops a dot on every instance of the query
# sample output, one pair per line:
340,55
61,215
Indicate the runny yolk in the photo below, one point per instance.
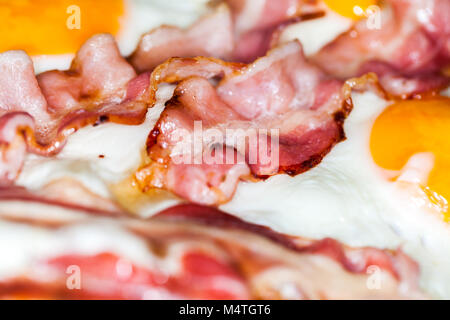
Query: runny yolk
55,26
353,9
413,126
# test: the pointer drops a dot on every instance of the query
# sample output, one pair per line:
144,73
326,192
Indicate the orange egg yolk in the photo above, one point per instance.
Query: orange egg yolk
350,8
55,26
412,126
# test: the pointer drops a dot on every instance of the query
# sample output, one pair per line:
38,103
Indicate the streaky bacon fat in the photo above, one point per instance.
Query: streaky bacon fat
212,256
238,31
211,36
408,50
281,92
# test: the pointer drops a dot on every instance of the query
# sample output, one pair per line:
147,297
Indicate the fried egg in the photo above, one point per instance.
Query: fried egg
52,31
386,186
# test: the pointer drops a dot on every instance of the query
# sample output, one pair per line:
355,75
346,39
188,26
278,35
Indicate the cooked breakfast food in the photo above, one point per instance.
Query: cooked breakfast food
194,252
262,149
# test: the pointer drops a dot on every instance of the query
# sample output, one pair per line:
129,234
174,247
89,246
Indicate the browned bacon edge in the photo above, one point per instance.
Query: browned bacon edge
339,118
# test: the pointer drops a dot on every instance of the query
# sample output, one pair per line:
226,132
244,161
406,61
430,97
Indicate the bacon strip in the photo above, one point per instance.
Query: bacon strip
37,114
408,50
241,31
281,92
195,252
210,36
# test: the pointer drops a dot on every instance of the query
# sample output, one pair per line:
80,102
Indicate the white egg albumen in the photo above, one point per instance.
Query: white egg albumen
345,197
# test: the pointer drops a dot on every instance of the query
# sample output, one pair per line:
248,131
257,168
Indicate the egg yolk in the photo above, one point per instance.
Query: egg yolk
413,126
353,9
55,26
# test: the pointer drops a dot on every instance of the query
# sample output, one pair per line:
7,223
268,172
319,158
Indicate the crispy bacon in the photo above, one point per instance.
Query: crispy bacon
37,114
196,252
281,92
408,50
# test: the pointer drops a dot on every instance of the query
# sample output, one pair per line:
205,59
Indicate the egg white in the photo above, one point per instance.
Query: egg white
346,196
